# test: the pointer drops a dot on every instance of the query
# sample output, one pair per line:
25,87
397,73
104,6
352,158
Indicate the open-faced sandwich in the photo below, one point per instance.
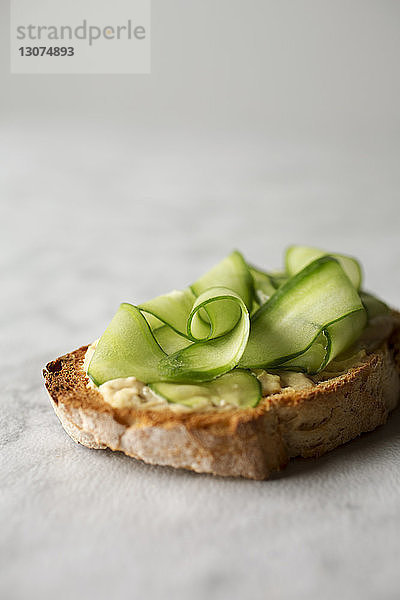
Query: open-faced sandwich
238,372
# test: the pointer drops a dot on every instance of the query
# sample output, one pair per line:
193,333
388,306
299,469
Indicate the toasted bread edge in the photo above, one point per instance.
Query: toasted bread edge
250,443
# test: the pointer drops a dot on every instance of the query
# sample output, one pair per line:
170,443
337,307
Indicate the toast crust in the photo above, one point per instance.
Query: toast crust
251,442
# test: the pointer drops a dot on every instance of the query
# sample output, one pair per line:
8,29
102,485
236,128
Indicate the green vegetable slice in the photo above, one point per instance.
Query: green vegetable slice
129,347
126,348
297,257
343,333
263,285
373,305
172,309
278,278
238,388
312,360
232,273
169,340
305,319
194,334
218,352
310,303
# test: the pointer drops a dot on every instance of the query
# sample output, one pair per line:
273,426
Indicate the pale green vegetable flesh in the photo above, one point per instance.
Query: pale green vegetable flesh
126,348
172,309
238,387
169,340
203,337
263,285
189,341
220,350
373,305
298,257
308,304
233,273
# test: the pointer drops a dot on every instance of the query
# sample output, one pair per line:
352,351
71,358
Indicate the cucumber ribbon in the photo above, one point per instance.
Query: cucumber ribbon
239,316
186,336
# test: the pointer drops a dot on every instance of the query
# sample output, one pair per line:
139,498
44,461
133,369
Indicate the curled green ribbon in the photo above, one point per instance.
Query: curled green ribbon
237,315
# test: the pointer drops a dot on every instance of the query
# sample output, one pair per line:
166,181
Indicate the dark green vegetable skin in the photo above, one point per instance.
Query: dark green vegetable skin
190,343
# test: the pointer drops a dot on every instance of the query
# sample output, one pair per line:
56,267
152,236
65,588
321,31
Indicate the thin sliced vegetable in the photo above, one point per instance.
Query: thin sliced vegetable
373,305
313,359
297,257
129,347
126,348
214,356
172,309
238,388
232,273
330,343
286,326
305,319
343,333
263,286
278,278
169,340
223,309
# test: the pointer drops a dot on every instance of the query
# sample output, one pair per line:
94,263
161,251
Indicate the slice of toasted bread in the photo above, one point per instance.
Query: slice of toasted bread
250,442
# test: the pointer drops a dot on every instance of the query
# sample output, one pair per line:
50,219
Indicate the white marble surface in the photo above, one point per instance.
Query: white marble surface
116,189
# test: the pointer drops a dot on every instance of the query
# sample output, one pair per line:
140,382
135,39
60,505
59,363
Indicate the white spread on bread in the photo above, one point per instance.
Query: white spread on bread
270,383
127,392
295,380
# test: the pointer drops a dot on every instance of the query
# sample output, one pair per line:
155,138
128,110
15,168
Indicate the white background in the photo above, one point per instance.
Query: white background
262,124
